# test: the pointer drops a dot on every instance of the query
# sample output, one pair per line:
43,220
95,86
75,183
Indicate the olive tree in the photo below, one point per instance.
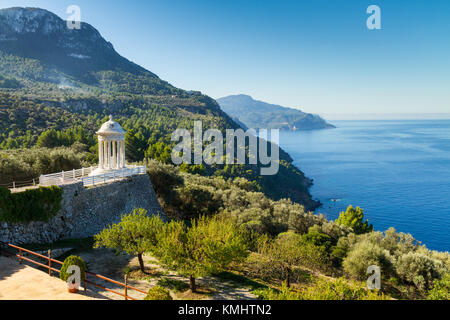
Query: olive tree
135,234
206,247
281,256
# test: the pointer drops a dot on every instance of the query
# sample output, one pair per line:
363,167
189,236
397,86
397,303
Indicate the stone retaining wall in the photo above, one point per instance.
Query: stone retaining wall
86,211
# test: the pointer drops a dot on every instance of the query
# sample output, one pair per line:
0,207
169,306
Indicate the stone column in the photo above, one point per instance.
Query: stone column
114,154
109,155
123,153
118,154
105,154
100,154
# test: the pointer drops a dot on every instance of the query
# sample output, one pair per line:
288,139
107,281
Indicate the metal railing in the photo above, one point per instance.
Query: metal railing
65,177
83,175
48,266
113,176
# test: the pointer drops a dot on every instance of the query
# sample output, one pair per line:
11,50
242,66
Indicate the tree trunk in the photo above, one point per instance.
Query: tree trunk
192,284
141,262
288,278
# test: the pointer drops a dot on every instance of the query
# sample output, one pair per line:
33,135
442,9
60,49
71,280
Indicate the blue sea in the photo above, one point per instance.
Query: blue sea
397,171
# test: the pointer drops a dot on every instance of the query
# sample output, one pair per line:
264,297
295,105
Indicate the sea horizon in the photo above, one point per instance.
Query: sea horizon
385,116
381,166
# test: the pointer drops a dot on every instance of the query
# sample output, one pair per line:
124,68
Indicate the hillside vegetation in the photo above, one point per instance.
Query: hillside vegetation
296,255
69,81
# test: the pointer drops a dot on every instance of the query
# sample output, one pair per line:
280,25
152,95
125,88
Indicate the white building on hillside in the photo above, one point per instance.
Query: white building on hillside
111,162
111,147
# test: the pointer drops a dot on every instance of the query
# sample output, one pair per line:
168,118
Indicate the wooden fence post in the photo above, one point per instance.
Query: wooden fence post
84,281
20,256
50,262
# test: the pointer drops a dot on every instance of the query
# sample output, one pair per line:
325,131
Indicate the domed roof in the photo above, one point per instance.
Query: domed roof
111,128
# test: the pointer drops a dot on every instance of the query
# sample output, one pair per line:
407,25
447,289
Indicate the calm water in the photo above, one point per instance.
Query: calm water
397,171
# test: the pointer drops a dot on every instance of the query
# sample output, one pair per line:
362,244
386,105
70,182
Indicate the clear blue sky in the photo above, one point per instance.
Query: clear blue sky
316,55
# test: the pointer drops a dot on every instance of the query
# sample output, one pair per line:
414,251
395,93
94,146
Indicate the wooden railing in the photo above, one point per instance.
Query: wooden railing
51,269
20,184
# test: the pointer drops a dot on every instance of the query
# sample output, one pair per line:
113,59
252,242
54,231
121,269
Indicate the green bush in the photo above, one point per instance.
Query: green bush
365,254
158,293
339,289
337,256
164,178
31,205
315,237
198,200
173,284
441,289
72,261
417,268
284,294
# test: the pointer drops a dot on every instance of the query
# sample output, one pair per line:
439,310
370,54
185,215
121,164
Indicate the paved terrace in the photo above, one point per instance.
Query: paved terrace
21,282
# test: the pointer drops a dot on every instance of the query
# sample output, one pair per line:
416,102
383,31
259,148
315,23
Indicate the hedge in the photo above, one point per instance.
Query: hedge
158,293
31,205
72,261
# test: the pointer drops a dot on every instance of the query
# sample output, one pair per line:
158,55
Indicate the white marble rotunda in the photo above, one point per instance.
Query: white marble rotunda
111,147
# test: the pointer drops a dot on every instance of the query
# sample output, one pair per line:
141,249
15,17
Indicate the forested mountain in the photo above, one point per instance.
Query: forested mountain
58,85
257,114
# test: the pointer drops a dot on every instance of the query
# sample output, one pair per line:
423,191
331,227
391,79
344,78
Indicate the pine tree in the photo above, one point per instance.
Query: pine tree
353,218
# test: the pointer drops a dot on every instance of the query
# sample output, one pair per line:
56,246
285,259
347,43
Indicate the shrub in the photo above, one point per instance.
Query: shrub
364,254
196,200
338,289
193,168
317,238
28,164
417,268
284,294
173,284
31,205
337,255
164,178
441,289
158,293
72,261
